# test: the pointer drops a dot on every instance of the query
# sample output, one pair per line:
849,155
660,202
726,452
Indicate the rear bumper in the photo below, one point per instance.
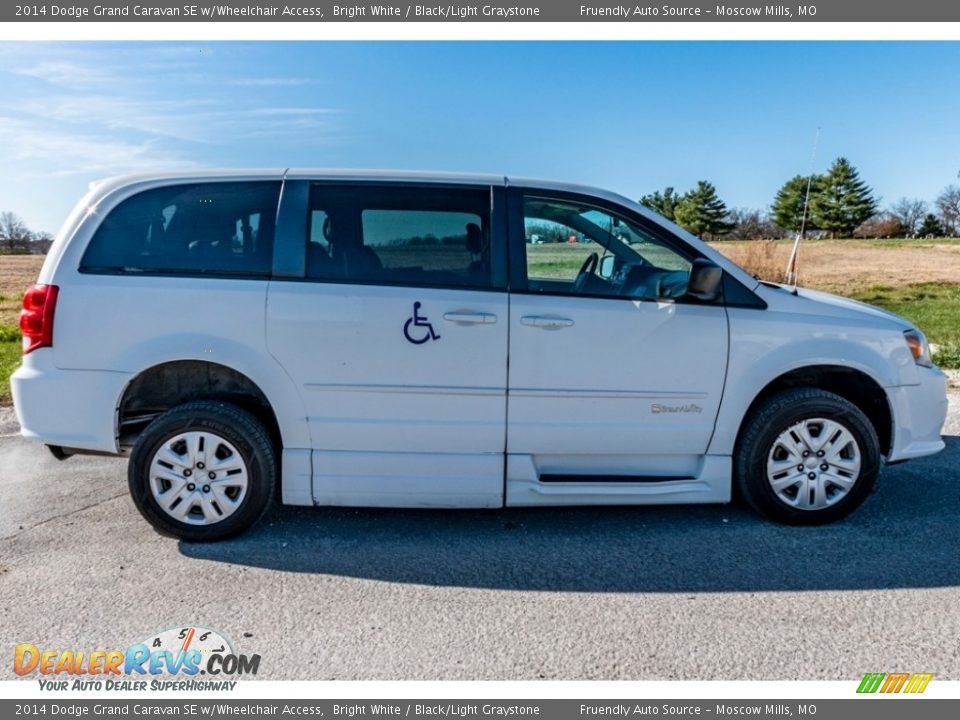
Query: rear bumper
70,408
919,412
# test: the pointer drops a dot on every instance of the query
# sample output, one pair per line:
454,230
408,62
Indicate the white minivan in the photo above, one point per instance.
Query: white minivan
394,339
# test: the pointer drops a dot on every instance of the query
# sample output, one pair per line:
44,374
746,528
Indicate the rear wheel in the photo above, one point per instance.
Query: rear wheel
807,457
204,470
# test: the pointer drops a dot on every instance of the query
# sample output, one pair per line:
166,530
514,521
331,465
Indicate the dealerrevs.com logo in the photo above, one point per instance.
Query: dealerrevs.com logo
174,659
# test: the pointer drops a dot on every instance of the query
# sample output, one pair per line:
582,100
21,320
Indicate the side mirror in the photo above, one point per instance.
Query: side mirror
607,266
706,280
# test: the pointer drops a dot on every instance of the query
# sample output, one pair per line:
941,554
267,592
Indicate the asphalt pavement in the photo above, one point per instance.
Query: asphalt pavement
707,592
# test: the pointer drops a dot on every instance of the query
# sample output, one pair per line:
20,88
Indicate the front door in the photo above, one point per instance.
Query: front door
615,376
397,337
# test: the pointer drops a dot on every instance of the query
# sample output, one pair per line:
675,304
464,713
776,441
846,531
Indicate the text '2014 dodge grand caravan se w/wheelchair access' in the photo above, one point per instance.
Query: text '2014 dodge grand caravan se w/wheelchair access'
429,340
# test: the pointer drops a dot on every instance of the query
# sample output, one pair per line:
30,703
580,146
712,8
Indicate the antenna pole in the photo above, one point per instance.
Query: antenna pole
791,278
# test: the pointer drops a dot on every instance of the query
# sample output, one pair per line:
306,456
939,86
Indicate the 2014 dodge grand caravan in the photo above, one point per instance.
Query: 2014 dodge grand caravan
427,340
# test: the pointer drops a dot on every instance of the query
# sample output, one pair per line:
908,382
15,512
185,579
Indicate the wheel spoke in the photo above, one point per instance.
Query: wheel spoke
819,487
802,498
167,455
847,466
828,428
209,513
226,504
238,480
176,480
803,430
844,483
791,445
787,481
778,467
186,502
193,447
231,462
208,448
833,449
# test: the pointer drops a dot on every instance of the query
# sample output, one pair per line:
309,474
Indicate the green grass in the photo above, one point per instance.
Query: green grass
9,359
933,306
562,261
9,333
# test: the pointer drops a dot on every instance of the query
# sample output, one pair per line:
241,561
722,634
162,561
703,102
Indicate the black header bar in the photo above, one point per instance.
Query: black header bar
894,11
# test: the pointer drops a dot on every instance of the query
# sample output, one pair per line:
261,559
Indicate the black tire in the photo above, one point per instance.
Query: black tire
232,424
776,415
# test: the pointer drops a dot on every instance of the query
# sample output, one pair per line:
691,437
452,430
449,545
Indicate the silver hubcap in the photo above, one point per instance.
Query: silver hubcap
813,464
198,478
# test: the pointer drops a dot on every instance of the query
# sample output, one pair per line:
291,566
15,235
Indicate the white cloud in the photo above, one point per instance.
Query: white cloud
79,112
270,82
33,151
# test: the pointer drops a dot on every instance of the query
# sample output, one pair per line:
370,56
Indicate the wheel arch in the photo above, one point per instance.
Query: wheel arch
852,384
165,385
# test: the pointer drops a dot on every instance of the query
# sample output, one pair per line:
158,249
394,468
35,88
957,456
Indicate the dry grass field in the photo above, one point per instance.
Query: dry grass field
17,273
847,267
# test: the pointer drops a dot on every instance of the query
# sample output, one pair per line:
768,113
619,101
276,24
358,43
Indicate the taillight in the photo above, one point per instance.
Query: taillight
36,318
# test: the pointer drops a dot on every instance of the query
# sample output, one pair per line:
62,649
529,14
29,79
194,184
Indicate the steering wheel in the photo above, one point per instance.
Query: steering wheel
586,270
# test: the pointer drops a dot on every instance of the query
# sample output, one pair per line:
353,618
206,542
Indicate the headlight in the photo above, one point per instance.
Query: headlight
918,347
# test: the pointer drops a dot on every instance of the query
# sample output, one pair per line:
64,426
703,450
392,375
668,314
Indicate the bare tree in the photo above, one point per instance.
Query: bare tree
881,225
910,213
14,234
40,242
948,205
752,225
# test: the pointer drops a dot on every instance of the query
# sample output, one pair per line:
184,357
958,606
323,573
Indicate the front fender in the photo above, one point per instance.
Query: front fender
764,346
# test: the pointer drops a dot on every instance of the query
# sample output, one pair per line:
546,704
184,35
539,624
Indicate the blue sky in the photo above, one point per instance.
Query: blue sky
629,116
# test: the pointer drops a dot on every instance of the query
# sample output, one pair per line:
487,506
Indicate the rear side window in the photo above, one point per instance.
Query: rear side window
400,236
206,228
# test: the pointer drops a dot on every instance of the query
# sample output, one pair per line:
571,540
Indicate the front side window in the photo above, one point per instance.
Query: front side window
205,228
399,236
582,250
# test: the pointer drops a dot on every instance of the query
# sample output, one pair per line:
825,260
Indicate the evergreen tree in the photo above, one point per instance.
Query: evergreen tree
664,203
930,227
788,205
702,212
843,201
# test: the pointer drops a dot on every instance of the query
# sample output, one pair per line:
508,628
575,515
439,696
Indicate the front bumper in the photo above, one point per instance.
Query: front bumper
69,408
919,412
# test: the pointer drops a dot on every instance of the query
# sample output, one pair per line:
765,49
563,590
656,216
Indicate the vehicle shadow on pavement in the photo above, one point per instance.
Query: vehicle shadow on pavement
906,535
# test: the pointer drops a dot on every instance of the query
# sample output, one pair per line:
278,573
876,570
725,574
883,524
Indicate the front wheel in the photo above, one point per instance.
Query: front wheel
202,471
807,457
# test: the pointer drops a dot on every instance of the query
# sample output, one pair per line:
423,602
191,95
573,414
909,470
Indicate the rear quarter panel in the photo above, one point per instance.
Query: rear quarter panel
128,323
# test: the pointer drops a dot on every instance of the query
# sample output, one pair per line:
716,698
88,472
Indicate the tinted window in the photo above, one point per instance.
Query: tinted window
216,228
400,236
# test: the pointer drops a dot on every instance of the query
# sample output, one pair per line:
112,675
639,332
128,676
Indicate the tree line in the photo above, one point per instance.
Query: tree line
836,204
16,237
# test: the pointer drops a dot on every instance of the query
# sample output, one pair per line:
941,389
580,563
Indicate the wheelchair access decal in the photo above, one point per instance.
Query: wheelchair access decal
421,326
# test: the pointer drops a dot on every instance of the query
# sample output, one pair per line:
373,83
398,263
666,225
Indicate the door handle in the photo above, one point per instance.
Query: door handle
549,323
470,318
